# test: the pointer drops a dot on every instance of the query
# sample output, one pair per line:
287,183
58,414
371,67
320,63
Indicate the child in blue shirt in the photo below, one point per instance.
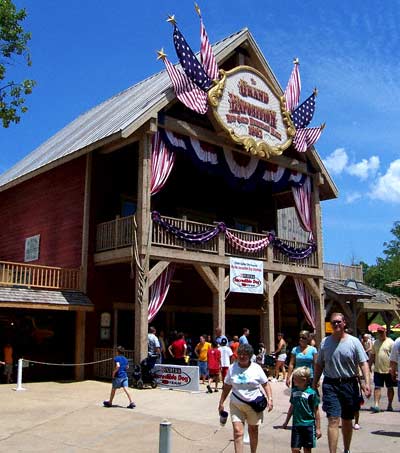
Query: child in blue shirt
304,406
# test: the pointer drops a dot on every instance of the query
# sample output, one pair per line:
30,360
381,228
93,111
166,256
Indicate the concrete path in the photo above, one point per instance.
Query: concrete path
70,417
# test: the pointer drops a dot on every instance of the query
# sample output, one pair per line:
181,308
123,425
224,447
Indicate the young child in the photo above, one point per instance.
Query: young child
214,365
305,410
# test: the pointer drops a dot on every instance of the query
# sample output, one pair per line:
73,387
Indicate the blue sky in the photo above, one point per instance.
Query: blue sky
84,52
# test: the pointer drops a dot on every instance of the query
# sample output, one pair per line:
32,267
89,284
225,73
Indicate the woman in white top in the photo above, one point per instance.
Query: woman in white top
247,380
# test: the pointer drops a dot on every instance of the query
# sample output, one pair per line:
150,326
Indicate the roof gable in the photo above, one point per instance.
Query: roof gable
123,114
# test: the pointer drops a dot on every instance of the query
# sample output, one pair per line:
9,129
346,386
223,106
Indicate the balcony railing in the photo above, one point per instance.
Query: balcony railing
119,233
342,272
35,276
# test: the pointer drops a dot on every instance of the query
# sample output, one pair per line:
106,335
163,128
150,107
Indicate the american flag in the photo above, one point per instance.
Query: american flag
190,64
306,137
303,115
292,92
186,91
206,54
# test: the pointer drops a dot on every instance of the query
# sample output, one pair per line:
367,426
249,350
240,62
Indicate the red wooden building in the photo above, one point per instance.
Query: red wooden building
85,243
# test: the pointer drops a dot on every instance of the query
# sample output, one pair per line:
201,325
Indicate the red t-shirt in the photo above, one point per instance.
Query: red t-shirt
214,359
178,348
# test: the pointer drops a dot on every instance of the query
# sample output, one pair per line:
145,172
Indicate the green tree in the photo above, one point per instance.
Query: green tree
387,269
13,45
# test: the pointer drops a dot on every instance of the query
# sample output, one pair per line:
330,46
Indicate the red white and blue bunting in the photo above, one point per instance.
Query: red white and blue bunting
234,240
238,170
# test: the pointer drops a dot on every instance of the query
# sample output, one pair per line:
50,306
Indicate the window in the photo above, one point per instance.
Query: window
32,246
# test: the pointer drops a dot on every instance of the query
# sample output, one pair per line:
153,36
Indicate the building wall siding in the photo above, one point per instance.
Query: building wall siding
51,205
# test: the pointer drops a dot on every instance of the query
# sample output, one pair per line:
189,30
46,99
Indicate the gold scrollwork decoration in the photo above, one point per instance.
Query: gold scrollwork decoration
215,93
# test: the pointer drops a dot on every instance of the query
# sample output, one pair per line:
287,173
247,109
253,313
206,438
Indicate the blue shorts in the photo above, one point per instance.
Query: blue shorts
340,399
203,368
118,382
381,379
303,437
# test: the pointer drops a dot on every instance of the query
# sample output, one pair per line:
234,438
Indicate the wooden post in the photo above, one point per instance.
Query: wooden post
143,221
320,313
316,219
219,301
268,317
80,319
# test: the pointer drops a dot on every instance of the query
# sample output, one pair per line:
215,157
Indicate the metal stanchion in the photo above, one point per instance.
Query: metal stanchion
165,437
19,376
246,438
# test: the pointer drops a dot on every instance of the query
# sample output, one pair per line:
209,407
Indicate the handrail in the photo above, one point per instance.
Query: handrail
39,276
118,233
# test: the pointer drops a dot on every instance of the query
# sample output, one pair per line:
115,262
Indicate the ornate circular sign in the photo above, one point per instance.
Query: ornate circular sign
251,112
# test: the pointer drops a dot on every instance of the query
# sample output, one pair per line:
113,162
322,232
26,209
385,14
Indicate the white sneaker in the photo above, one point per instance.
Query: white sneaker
274,380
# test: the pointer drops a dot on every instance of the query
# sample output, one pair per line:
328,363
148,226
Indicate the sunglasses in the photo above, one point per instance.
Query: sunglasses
303,338
336,323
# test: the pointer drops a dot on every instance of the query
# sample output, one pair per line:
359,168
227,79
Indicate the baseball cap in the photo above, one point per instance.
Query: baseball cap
381,329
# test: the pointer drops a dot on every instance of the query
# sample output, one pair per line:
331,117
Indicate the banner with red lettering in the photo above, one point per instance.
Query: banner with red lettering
177,377
246,276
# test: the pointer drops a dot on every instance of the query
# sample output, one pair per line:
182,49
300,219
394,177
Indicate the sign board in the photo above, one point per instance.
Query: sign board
252,112
289,227
246,276
177,377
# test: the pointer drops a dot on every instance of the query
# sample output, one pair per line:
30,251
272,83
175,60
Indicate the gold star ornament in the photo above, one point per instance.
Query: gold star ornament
161,55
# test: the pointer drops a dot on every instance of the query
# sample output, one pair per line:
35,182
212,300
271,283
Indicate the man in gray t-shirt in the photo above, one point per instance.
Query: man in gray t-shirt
339,358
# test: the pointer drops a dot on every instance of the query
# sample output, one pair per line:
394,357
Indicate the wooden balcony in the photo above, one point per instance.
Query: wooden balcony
118,233
342,272
35,276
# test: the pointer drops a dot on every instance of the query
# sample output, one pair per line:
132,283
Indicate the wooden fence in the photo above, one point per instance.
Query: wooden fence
103,369
343,272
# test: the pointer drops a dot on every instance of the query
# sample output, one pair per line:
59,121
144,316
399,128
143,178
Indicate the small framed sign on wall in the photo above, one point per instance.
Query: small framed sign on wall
32,247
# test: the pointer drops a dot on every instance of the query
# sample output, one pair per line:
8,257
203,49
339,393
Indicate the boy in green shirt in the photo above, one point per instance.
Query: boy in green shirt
304,406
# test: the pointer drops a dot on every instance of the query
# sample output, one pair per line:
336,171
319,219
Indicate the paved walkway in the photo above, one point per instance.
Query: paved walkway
69,417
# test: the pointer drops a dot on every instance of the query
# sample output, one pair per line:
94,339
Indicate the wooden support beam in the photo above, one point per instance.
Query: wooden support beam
207,274
277,283
313,287
144,224
156,271
80,323
218,307
346,310
226,283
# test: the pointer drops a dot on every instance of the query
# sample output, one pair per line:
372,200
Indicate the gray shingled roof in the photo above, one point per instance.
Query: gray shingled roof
68,300
338,287
110,117
363,292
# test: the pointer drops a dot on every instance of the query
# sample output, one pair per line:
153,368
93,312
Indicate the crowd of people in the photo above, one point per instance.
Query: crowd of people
340,368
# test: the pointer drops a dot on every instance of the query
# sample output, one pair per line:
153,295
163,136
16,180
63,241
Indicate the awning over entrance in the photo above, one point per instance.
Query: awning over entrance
11,297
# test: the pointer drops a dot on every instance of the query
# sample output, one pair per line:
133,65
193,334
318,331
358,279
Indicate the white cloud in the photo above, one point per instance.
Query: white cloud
336,162
387,187
364,168
351,197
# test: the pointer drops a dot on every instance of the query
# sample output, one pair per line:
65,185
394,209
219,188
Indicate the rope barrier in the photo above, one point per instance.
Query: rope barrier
20,365
66,364
195,440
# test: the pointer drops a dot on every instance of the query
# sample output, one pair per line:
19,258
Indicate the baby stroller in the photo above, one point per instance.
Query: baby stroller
269,364
143,374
